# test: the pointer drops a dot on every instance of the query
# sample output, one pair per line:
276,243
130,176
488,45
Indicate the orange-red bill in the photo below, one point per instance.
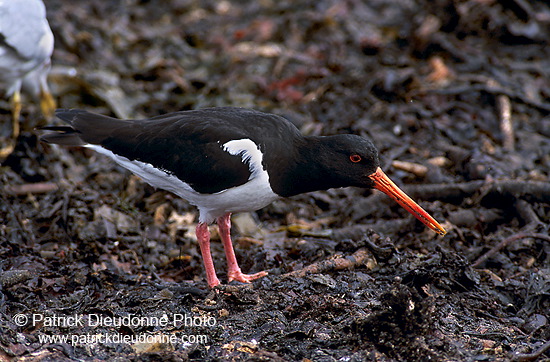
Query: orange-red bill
384,184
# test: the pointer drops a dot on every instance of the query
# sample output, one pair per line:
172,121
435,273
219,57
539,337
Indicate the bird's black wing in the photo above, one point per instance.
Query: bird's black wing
187,144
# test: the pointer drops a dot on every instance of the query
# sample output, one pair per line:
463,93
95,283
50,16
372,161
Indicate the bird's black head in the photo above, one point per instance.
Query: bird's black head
321,163
348,160
339,161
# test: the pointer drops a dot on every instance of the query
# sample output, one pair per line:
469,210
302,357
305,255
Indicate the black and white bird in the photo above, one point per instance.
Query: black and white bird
226,160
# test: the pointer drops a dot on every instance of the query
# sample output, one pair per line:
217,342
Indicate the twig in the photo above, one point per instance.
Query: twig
489,89
506,126
526,212
411,167
360,257
531,356
35,188
488,335
505,243
529,190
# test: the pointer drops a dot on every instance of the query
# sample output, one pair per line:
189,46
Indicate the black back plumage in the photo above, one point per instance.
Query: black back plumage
187,144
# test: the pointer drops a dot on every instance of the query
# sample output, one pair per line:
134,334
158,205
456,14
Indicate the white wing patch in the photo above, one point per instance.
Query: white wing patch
250,154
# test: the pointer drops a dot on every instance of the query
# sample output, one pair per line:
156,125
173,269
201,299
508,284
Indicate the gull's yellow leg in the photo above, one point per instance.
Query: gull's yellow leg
47,103
9,145
16,113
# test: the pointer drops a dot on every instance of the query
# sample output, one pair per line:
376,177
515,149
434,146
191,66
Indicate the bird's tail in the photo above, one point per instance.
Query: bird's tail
84,128
62,135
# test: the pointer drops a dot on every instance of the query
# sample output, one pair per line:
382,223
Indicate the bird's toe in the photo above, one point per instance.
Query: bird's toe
245,278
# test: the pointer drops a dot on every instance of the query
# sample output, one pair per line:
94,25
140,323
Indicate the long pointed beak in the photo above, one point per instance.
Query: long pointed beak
384,184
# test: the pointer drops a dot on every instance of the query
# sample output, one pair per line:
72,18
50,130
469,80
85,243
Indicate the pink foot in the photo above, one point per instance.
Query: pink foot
233,269
244,278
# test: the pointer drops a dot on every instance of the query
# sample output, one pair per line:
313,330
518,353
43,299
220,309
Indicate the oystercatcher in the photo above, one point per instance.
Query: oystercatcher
225,160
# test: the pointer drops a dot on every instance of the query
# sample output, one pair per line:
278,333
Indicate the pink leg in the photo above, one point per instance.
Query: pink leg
203,236
233,270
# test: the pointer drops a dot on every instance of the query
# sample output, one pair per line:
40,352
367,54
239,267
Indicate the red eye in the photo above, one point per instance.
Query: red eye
355,158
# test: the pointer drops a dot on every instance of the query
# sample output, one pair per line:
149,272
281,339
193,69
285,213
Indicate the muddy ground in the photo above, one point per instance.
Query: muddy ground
456,96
